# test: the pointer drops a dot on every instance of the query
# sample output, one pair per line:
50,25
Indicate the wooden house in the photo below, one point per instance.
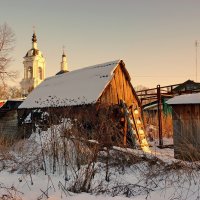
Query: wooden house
186,87
82,94
186,126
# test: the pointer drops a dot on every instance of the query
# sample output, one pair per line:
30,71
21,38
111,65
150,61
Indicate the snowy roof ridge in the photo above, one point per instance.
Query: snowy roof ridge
78,87
87,67
185,99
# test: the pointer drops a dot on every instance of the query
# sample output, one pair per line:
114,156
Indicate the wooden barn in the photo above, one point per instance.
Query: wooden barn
87,95
186,126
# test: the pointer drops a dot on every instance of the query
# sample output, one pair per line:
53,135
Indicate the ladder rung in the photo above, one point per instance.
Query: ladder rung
134,120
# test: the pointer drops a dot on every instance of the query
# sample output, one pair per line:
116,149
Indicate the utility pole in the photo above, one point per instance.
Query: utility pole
196,54
159,99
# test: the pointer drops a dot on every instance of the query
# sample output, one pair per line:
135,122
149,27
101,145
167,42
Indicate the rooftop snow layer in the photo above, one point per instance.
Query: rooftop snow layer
82,86
185,99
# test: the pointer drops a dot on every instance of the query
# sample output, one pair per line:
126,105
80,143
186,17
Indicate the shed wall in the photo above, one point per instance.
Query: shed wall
119,88
9,124
90,121
186,128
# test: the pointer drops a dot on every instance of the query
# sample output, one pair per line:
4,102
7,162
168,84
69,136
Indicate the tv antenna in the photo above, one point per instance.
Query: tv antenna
196,54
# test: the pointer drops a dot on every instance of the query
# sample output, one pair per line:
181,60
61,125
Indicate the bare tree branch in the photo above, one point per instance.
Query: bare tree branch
7,41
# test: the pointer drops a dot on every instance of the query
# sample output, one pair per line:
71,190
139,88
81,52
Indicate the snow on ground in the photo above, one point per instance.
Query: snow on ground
40,184
25,190
139,181
165,154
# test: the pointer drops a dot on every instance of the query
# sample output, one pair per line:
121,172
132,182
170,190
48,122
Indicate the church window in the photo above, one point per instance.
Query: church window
40,73
30,72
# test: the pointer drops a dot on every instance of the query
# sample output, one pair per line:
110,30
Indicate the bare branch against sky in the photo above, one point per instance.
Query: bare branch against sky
7,40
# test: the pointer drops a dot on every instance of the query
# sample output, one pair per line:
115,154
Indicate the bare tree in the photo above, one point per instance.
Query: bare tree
9,92
7,40
3,91
140,87
14,92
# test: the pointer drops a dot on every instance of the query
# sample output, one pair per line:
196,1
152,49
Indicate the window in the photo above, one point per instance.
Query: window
40,73
30,72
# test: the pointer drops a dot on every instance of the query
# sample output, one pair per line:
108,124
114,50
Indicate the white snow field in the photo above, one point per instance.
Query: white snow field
156,176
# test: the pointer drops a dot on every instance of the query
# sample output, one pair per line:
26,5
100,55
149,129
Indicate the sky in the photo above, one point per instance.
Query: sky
155,38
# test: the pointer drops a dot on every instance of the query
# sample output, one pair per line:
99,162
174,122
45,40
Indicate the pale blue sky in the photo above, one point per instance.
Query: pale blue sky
155,38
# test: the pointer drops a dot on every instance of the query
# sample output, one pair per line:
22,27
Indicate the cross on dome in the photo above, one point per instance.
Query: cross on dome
63,51
34,38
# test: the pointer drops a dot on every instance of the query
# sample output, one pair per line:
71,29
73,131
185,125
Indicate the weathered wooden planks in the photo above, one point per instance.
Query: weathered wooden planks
186,129
119,88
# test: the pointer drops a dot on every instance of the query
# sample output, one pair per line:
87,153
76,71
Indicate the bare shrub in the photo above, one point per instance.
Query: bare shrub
9,193
101,131
187,149
73,141
152,122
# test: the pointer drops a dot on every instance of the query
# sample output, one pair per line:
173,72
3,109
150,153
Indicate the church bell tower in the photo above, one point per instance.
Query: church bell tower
63,64
34,68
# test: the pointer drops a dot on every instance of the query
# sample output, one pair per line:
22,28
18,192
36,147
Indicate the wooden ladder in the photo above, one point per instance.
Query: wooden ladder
135,126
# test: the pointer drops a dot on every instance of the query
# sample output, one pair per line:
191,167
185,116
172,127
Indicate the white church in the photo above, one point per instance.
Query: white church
34,68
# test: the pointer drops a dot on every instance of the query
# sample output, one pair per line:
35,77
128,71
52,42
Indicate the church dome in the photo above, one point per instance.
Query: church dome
33,52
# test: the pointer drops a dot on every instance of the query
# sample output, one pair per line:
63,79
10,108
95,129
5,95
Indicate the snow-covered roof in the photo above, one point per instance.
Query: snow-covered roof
78,87
185,99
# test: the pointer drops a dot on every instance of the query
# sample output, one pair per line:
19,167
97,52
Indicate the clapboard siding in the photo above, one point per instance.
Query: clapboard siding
119,88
